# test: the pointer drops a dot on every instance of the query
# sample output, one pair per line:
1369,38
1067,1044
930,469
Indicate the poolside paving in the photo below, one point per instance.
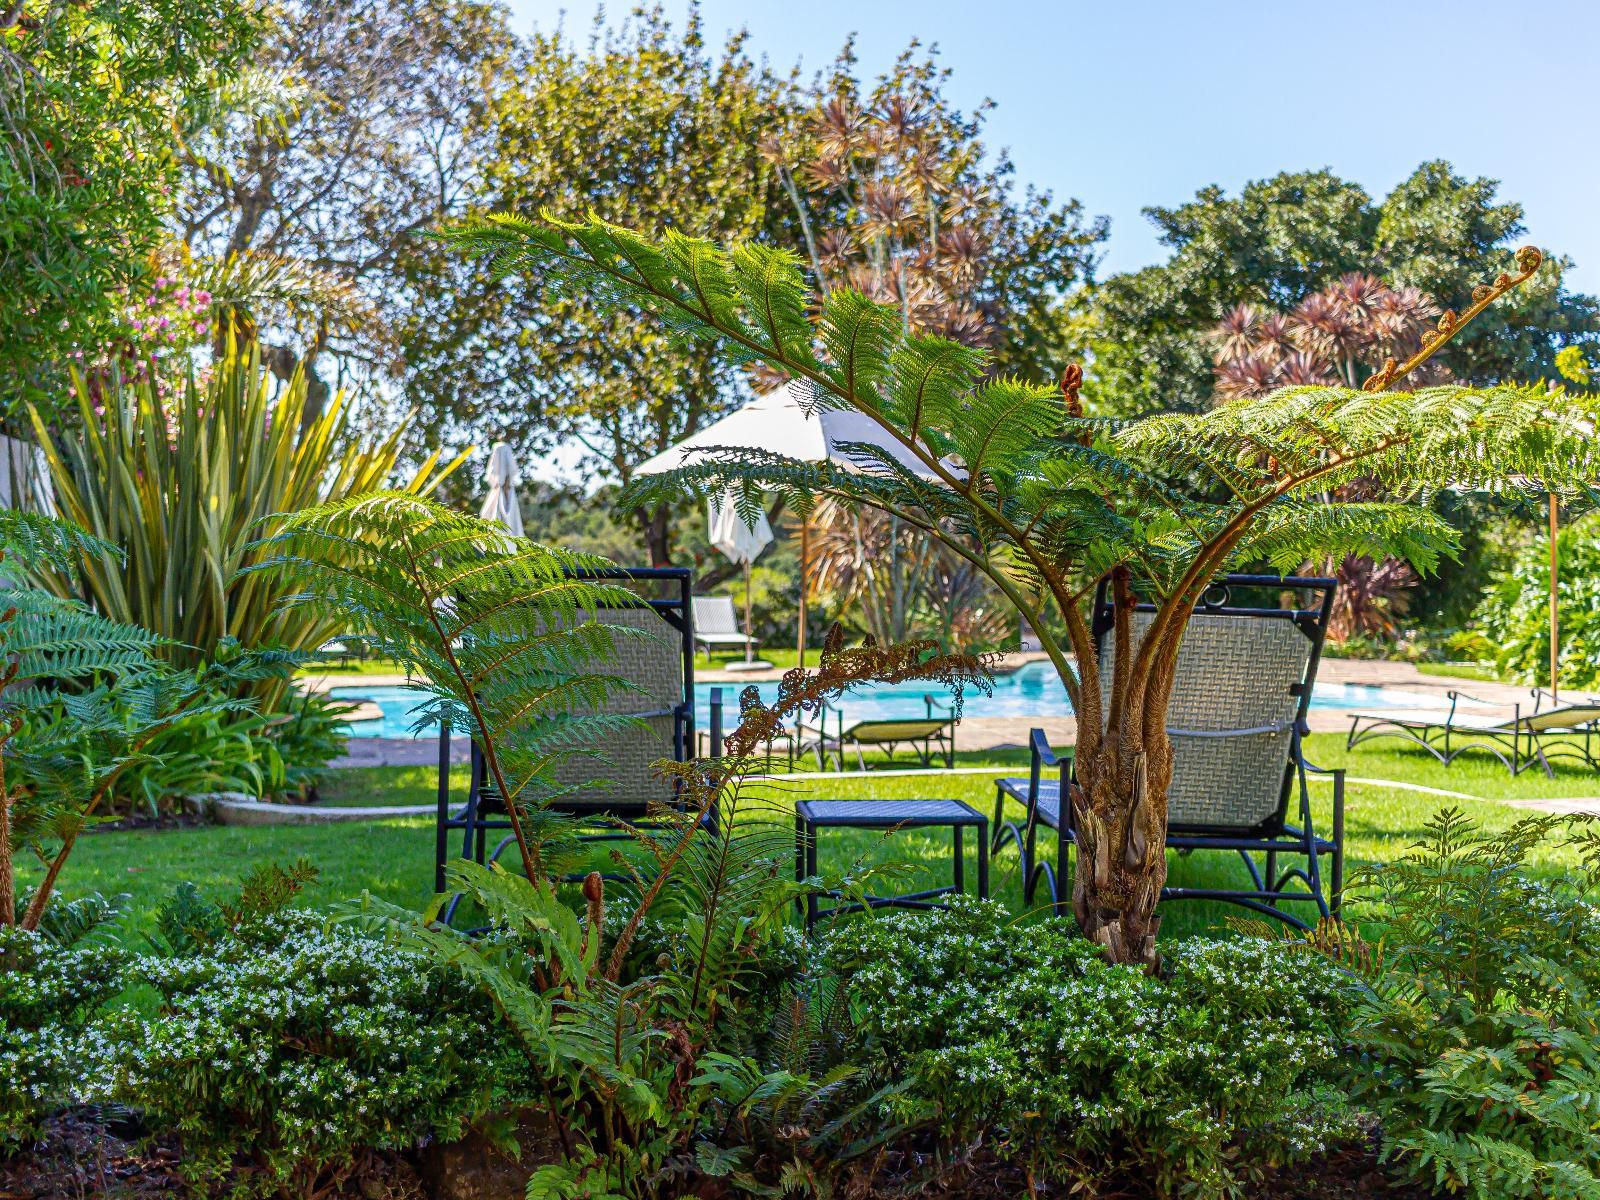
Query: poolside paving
990,733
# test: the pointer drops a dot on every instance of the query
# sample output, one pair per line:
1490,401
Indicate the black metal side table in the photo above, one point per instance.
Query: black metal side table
813,816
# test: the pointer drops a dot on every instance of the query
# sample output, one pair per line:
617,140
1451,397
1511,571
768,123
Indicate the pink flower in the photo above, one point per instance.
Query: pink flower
202,298
136,323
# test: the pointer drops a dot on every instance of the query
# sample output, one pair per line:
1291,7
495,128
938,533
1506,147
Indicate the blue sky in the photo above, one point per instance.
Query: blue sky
1128,103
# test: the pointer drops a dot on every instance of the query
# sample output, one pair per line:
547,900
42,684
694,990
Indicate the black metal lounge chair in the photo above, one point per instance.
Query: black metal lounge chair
925,736
1238,712
1527,739
663,668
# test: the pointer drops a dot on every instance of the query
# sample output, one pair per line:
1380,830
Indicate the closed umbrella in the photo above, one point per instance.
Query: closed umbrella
740,543
501,502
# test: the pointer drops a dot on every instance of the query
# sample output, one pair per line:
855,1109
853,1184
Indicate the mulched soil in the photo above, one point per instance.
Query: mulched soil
92,1154
161,821
88,1152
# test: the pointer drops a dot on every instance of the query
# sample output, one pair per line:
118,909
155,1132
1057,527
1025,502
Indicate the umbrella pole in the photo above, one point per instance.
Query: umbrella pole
805,555
1555,657
749,651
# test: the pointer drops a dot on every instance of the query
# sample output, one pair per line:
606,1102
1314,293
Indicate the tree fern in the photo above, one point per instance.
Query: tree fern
501,633
1045,499
1478,1034
87,696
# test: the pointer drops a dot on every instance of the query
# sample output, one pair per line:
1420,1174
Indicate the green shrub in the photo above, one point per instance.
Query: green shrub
197,753
283,1047
1515,614
48,994
311,735
1480,1039
1027,1038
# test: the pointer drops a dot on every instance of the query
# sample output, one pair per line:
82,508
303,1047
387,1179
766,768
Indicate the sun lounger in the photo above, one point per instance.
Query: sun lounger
1527,738
716,623
925,736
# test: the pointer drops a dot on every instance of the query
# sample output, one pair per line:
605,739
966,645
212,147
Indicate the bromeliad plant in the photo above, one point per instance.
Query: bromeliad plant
1045,500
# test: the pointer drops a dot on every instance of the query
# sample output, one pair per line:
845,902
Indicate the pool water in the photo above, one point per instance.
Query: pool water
1032,691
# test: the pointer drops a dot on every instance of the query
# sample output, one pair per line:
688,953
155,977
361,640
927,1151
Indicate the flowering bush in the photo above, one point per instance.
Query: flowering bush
1027,1037
48,993
285,1047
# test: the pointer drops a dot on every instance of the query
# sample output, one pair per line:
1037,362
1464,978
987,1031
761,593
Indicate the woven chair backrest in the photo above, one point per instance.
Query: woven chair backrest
1235,672
715,614
620,774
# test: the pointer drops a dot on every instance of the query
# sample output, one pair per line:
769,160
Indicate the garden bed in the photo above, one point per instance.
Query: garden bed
88,1153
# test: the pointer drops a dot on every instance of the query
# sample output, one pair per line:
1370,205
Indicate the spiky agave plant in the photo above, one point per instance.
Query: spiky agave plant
1046,500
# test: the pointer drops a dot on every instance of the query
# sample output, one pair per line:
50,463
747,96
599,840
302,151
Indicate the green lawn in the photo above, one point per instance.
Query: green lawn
393,859
1461,671
356,667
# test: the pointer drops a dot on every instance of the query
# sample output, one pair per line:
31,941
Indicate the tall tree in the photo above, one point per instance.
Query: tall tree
649,126
896,195
377,135
1282,239
88,93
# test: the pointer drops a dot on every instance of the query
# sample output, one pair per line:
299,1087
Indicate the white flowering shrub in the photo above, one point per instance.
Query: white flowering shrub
1027,1037
284,1047
48,993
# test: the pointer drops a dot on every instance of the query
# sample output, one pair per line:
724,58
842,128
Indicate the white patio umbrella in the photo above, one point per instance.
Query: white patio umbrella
740,544
779,421
782,422
501,502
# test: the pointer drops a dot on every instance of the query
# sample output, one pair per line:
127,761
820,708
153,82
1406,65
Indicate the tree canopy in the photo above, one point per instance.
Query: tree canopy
1284,238
88,161
361,131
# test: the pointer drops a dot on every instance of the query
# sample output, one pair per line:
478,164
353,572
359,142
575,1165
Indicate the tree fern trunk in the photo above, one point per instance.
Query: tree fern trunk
1119,817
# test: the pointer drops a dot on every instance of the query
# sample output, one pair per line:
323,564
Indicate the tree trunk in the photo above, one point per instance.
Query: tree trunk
657,534
1119,816
1123,770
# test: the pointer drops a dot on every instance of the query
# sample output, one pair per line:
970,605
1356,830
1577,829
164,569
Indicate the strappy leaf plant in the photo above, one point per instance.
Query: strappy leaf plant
178,469
1046,500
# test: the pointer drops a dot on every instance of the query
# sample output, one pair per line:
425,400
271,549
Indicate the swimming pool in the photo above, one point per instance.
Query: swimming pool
1032,691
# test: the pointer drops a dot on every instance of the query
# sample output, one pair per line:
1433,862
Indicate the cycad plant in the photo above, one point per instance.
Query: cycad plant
179,476
1046,500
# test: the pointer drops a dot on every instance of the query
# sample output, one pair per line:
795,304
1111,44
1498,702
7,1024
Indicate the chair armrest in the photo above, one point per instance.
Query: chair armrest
1297,755
1470,699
